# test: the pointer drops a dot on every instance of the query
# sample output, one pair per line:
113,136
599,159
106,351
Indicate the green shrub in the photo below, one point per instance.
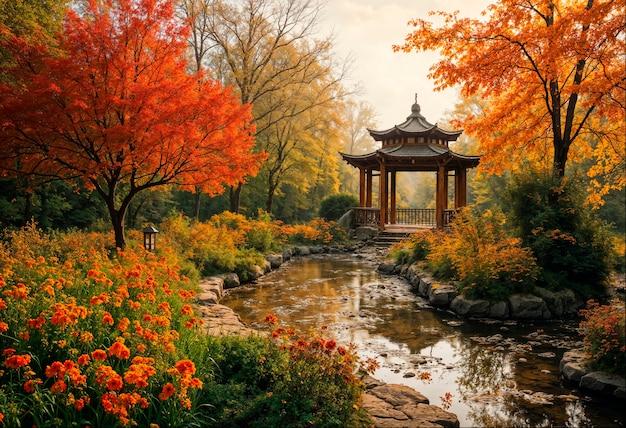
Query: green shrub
604,334
478,253
572,246
283,380
333,207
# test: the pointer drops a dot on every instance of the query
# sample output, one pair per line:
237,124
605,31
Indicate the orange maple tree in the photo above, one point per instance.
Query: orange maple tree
552,73
117,111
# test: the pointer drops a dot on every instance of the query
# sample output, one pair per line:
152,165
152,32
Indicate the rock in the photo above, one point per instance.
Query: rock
220,320
426,282
391,405
442,294
275,260
498,310
301,251
287,254
213,285
231,280
207,298
526,306
398,395
604,383
574,367
255,273
366,233
562,303
386,267
470,308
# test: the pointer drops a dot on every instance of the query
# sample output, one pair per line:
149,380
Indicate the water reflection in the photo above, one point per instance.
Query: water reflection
499,374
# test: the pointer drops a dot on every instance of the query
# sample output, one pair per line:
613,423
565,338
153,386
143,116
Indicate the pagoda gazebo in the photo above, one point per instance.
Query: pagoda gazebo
415,145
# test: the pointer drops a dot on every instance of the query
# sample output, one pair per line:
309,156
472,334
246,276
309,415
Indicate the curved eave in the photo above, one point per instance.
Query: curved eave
412,129
427,154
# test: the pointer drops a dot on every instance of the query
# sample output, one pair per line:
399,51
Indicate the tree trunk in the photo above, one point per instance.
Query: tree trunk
117,220
196,204
235,198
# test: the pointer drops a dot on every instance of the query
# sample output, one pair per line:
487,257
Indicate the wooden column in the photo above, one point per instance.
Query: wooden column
362,188
382,194
460,188
392,195
369,191
441,196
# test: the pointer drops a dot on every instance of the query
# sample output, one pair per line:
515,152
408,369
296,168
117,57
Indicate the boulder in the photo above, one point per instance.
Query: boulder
528,307
255,273
231,280
366,233
387,267
470,308
426,282
561,303
604,383
275,260
392,405
441,295
301,250
498,310
287,254
573,365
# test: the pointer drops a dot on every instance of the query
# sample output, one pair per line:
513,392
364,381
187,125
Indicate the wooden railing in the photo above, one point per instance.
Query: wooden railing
413,216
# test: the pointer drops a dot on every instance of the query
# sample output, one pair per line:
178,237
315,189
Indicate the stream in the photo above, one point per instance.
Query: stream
499,373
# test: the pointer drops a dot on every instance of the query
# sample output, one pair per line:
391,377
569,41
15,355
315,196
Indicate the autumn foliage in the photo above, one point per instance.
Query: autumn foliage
117,111
552,75
90,337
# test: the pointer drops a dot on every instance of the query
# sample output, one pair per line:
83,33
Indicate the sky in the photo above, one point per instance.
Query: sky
367,29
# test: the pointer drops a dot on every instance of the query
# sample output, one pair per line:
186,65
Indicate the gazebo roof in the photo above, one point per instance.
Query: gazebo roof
415,125
414,145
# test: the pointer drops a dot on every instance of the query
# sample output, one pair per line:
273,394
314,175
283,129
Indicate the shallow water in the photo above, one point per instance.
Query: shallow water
503,374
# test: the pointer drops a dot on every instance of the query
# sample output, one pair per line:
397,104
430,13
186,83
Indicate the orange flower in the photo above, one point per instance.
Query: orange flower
58,387
55,369
3,326
186,310
86,337
29,385
99,355
123,324
271,319
185,367
17,361
107,318
119,350
138,374
36,323
83,360
8,351
3,304
79,404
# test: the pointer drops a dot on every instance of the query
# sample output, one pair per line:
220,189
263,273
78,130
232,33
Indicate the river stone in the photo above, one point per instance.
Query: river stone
366,233
413,276
387,267
398,395
470,308
255,273
422,415
499,310
207,298
287,254
426,282
316,249
442,294
213,285
231,280
604,383
276,260
561,303
526,306
301,250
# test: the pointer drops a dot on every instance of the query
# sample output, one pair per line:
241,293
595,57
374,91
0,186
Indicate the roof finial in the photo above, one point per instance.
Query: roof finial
416,98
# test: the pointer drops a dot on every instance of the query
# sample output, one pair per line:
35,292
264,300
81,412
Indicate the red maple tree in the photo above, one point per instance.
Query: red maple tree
117,111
